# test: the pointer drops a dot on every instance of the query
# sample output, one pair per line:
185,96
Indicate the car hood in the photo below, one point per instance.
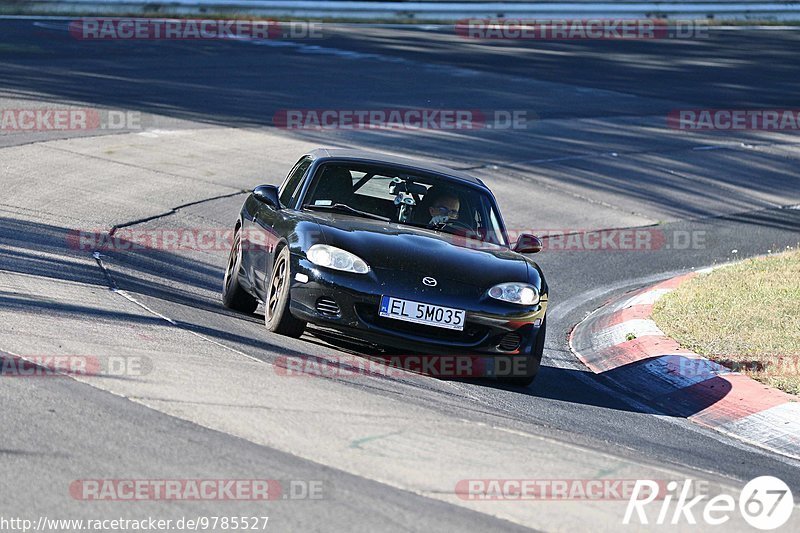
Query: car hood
391,246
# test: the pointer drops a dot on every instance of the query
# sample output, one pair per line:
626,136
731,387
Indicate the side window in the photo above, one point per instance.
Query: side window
292,184
494,233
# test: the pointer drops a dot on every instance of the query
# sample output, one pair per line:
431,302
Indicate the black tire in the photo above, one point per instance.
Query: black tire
233,295
277,316
535,359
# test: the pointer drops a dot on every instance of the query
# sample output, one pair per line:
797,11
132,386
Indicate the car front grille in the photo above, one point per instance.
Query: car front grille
328,307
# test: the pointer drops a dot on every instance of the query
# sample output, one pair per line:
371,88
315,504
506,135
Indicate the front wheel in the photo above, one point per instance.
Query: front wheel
276,309
233,295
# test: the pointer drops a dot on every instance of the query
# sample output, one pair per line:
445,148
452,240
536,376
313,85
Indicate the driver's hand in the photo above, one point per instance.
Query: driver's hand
442,214
439,220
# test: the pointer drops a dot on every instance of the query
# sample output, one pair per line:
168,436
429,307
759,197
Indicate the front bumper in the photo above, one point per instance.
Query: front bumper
349,303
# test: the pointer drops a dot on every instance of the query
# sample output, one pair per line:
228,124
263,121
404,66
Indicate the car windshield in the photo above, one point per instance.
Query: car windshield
414,199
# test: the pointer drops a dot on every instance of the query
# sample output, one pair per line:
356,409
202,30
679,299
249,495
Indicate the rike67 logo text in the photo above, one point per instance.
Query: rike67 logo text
765,503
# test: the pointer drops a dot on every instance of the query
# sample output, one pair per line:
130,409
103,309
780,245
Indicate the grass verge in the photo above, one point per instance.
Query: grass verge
745,316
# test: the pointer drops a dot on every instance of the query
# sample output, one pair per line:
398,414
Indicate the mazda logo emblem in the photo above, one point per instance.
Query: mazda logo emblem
430,282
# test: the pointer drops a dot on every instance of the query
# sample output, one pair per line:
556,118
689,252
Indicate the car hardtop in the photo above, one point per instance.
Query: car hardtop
330,155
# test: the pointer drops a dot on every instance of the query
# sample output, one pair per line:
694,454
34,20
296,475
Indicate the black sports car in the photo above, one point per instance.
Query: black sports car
391,252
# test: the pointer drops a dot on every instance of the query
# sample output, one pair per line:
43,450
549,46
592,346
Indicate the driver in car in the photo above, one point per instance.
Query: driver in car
443,208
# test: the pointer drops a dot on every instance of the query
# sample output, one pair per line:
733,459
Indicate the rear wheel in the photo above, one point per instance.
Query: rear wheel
233,295
534,360
276,308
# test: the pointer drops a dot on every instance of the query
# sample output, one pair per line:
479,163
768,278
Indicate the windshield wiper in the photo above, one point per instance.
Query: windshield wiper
347,209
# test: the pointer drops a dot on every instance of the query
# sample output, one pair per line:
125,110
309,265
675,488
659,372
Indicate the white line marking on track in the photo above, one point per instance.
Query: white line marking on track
116,290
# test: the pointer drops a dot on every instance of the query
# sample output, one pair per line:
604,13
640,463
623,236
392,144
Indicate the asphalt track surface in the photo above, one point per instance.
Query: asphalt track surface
388,451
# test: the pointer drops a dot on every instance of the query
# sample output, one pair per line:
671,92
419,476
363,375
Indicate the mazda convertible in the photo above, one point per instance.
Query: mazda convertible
392,252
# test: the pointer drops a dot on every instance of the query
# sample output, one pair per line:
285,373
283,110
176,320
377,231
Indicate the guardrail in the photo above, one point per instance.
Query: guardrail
416,10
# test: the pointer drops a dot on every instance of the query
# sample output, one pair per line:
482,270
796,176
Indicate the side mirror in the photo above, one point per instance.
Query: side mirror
528,244
268,194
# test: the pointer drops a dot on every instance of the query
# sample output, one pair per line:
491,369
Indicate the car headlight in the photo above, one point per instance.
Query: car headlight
516,293
336,258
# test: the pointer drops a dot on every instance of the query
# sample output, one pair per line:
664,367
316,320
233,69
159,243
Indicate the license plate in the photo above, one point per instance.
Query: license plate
421,313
